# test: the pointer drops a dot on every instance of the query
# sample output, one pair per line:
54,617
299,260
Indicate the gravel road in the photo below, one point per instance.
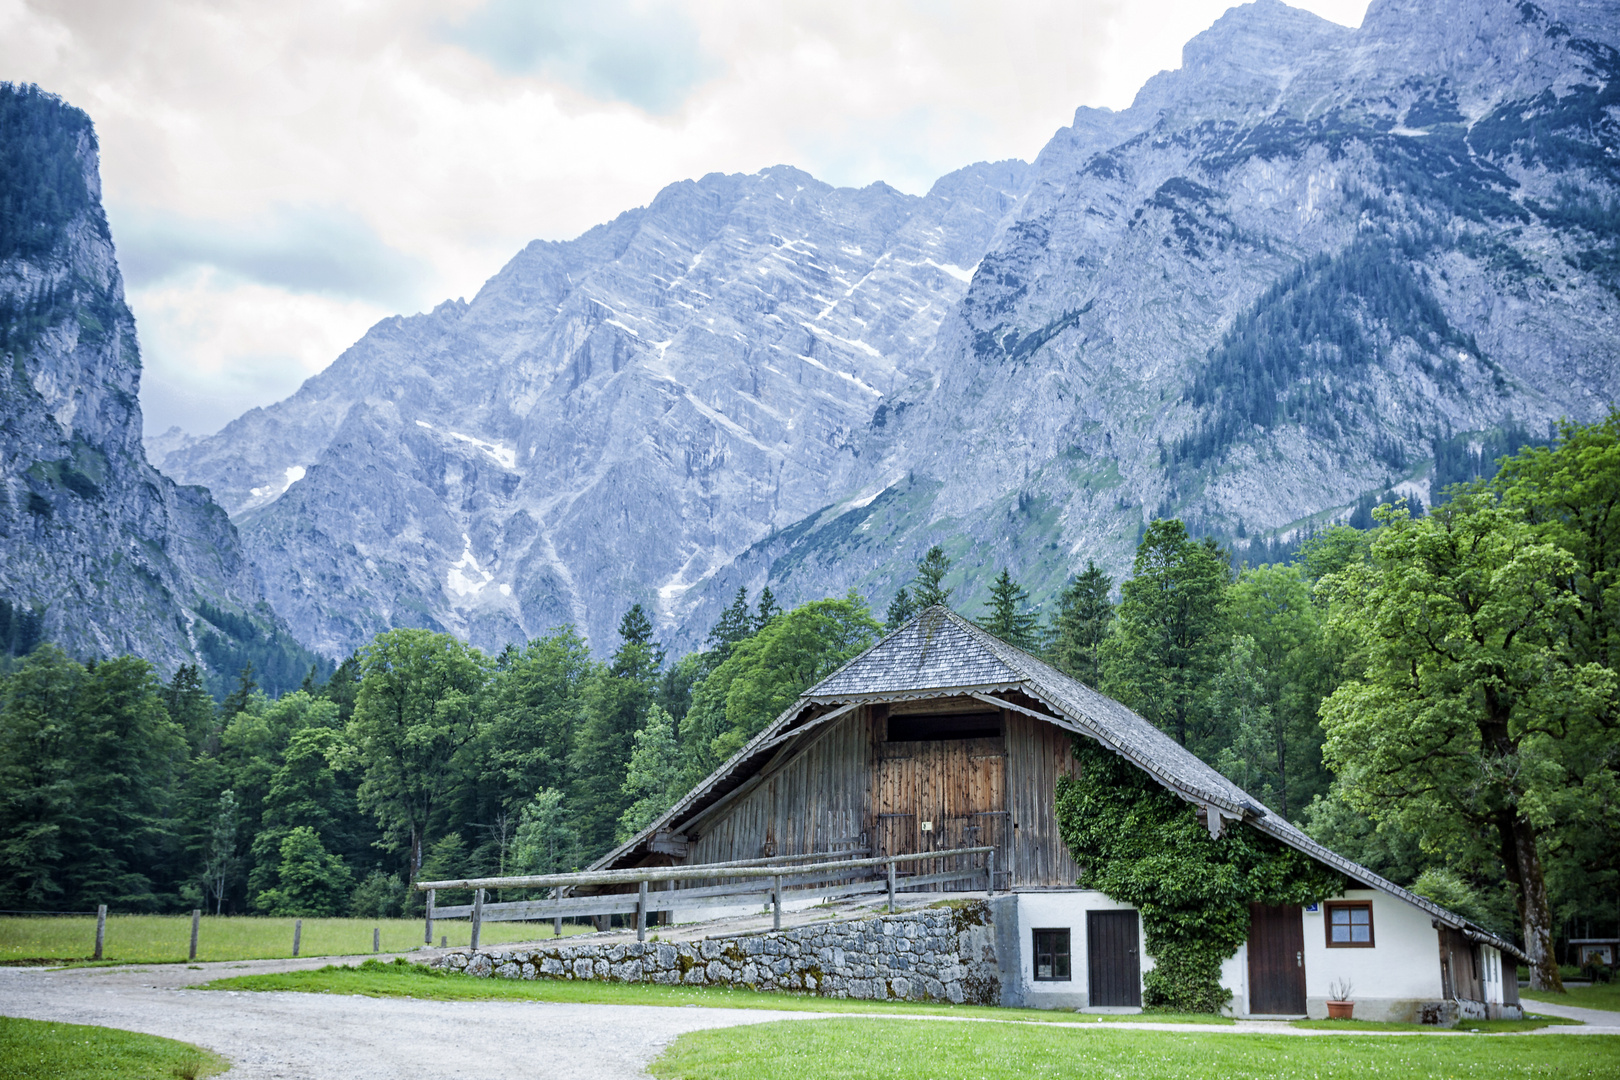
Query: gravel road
321,1036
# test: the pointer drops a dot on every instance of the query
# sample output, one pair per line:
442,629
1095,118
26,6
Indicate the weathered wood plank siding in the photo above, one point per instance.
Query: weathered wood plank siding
815,801
1038,754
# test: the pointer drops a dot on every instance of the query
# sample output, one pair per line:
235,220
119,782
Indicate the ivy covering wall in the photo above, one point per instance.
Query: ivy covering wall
1144,846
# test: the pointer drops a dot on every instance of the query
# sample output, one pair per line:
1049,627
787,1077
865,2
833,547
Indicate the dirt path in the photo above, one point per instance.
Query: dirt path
321,1036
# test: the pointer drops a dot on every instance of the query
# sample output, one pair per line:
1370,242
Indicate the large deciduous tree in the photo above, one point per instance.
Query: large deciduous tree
417,709
1467,710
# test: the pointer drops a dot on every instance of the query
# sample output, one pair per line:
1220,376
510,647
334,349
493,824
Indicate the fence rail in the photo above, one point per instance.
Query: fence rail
839,877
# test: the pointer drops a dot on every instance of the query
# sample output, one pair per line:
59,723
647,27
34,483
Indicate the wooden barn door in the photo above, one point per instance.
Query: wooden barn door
1113,959
1276,961
940,794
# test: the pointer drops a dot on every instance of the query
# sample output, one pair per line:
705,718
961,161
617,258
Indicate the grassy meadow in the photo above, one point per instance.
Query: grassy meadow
158,939
1598,996
46,1050
860,1048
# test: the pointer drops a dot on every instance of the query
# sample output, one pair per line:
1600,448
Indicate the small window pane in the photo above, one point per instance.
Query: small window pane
1051,955
1350,924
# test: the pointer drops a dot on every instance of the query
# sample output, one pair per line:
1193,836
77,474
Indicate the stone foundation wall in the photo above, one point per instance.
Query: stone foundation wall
938,954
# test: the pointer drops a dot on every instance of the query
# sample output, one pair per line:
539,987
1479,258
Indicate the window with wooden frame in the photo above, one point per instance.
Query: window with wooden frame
1051,956
1349,924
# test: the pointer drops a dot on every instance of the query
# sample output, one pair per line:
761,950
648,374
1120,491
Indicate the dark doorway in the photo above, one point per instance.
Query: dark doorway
1276,961
1113,959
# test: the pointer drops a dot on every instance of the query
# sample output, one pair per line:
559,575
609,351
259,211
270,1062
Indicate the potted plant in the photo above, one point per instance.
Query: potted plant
1339,1004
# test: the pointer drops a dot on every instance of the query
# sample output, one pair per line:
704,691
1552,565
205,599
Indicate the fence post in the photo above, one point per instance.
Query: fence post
776,902
556,926
641,912
478,916
101,929
298,934
990,872
427,935
376,939
196,916
891,886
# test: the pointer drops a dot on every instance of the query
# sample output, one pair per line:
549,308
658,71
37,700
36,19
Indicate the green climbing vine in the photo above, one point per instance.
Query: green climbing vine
1144,846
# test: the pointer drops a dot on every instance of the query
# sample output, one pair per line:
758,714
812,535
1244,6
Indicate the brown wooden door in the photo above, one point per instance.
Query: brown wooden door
1276,961
1113,958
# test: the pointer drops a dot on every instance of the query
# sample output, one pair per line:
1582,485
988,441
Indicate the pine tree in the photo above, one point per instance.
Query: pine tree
1085,614
735,625
901,609
1005,614
929,588
616,701
238,699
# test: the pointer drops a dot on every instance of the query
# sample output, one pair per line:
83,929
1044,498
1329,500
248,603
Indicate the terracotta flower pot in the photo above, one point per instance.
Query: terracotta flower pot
1340,1010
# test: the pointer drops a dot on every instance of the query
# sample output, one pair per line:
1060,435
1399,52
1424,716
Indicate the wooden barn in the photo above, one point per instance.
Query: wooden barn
942,737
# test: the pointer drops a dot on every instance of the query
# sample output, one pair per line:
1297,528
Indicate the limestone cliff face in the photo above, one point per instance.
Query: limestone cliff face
98,550
1266,289
610,419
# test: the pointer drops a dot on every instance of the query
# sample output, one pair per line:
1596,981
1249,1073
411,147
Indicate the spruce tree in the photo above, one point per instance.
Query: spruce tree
929,588
767,610
1085,614
1006,616
901,609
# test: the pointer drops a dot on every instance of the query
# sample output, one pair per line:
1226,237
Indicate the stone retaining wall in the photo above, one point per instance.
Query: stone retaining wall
937,954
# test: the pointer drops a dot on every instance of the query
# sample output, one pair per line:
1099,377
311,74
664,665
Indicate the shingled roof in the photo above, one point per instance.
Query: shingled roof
940,653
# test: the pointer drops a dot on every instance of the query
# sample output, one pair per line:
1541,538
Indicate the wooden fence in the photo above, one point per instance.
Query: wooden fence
766,881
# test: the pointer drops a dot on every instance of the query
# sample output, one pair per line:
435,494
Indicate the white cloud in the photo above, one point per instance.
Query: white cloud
281,174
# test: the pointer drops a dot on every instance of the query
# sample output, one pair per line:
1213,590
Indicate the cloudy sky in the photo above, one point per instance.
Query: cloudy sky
280,175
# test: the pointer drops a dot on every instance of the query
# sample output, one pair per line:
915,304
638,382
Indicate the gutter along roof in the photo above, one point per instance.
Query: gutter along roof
940,653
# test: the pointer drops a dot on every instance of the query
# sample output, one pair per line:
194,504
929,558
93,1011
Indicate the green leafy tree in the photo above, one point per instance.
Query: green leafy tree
311,881
536,706
418,709
1467,713
1170,632
616,700
652,782
901,609
1084,617
1007,614
380,896
928,588
766,673
220,863
547,842
1287,649
40,812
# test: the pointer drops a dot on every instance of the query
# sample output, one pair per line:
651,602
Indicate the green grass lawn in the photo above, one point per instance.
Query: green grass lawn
156,939
42,1050
1484,1027
1601,996
404,979
897,1050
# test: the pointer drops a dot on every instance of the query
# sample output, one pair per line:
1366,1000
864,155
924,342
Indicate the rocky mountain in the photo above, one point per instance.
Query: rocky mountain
98,551
610,419
1289,276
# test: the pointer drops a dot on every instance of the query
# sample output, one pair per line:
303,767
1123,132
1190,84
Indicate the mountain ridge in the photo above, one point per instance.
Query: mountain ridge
1265,290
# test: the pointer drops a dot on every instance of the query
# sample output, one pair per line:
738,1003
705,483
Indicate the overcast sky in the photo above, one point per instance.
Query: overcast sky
280,175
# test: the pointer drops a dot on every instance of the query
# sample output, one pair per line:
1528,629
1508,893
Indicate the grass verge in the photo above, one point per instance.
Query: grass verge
1602,996
1483,1027
45,1050
159,939
404,979
890,1050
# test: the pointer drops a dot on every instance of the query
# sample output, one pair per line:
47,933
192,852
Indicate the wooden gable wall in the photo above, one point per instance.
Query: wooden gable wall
851,788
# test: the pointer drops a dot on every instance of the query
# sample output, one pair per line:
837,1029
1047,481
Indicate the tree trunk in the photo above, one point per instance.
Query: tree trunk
416,855
1521,853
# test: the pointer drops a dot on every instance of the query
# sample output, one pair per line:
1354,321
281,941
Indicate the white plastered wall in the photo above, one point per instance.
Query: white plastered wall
1388,980
1063,910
